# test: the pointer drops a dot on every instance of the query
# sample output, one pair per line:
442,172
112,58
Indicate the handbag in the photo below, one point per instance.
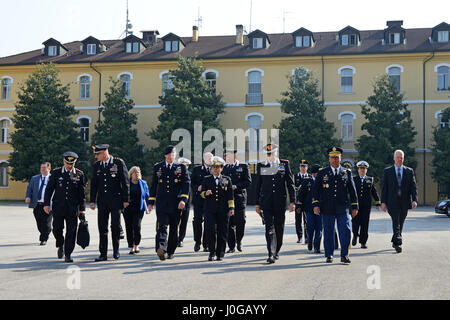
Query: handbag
83,237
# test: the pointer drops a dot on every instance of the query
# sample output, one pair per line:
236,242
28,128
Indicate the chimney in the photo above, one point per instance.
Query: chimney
195,33
151,36
398,23
240,34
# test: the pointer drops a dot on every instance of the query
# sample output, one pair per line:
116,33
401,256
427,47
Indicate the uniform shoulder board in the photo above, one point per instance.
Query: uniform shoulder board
78,170
58,168
284,160
118,159
209,175
349,170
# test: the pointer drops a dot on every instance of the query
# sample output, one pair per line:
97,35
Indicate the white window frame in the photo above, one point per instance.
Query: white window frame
91,49
299,41
4,129
306,41
254,139
52,51
443,36
345,40
347,126
167,83
396,39
84,131
390,70
257,43
175,46
135,47
168,46
6,83
4,174
355,37
254,95
85,88
129,47
445,78
126,83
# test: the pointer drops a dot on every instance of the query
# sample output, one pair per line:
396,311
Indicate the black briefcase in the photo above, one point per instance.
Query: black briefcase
83,236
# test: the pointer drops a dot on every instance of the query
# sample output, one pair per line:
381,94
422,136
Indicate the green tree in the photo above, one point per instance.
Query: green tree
117,126
389,127
189,98
441,151
305,133
43,122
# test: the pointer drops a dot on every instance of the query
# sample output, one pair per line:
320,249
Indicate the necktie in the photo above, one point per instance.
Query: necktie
41,188
217,181
399,177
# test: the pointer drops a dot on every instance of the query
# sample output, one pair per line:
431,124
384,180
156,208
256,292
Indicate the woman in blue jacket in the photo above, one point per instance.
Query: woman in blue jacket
134,213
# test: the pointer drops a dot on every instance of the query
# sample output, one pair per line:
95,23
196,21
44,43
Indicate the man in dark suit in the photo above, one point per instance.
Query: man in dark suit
273,177
399,193
240,177
66,191
366,190
198,173
185,212
170,191
35,199
110,188
300,214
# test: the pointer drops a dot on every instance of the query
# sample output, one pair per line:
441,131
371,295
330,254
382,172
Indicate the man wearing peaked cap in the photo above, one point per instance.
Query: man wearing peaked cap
169,190
299,213
219,206
65,190
110,189
365,188
240,177
185,212
332,189
273,178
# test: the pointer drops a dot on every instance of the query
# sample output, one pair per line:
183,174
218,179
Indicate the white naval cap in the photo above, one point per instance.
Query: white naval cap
362,164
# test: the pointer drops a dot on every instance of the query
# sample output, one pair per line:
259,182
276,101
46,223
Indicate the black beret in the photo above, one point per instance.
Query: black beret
169,149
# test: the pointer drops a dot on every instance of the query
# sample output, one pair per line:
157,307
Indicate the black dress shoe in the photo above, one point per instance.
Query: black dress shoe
276,256
116,255
219,258
101,258
329,259
180,244
231,251
310,246
161,254
239,247
317,251
205,249
271,259
211,257
60,252
68,259
345,259
170,256
196,248
43,243
363,246
398,249
299,240
355,239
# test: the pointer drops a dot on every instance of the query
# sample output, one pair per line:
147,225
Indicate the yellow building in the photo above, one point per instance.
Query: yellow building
250,71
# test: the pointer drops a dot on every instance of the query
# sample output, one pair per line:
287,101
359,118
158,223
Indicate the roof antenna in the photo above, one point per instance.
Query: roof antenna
251,9
128,26
199,20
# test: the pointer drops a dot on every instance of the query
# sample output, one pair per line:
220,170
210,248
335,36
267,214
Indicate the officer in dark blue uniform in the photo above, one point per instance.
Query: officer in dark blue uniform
110,189
170,191
300,214
67,185
185,212
304,200
333,186
198,173
365,188
240,177
273,177
217,190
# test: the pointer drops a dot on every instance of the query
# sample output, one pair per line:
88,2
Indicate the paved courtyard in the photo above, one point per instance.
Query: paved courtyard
30,271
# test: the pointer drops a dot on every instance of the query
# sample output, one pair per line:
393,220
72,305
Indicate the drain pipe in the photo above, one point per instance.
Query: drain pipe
99,91
323,80
424,127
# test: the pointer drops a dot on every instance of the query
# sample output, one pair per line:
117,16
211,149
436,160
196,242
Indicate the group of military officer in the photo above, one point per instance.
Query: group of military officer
219,199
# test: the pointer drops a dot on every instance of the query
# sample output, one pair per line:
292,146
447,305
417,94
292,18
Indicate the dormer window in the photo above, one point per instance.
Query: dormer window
443,36
394,33
349,40
173,43
394,38
171,46
349,36
344,41
302,41
133,47
133,44
303,38
257,43
91,49
52,51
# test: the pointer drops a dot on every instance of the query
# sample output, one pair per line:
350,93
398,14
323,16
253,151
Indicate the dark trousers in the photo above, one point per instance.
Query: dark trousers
43,222
217,241
183,224
197,224
69,215
398,217
104,211
274,221
299,216
360,224
236,228
133,219
314,229
329,233
168,241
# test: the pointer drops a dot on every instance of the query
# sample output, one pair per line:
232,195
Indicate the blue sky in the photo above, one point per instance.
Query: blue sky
28,23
